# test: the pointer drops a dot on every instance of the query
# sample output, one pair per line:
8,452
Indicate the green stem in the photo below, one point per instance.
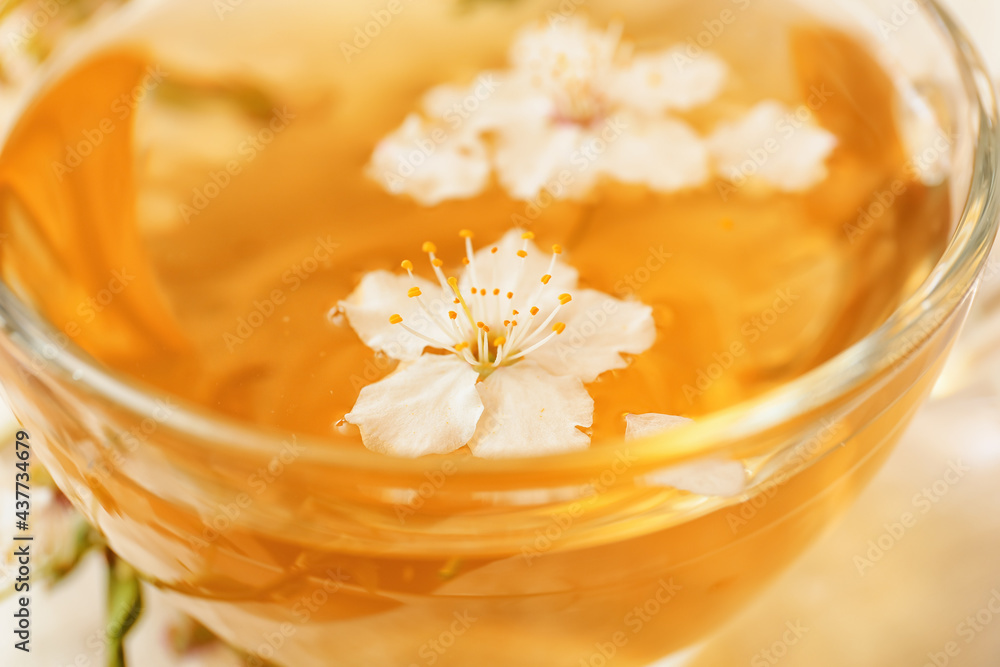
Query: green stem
124,606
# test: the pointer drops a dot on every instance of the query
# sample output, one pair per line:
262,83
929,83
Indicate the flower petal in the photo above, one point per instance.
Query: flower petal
530,154
763,144
430,166
529,412
500,269
664,154
599,329
706,477
669,80
382,294
429,406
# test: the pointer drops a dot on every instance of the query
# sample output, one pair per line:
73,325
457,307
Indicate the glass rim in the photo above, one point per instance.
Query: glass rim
956,271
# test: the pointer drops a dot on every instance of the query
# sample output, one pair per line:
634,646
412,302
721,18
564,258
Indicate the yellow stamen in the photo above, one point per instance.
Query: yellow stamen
534,310
565,298
466,234
429,247
546,278
452,314
414,291
559,327
462,346
522,254
557,249
438,262
499,341
465,261
395,319
482,292
527,236
510,295
496,292
407,264
494,250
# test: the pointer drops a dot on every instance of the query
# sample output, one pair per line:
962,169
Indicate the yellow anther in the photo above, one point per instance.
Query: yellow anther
534,310
499,341
473,290
414,291
407,264
482,292
515,313
438,262
486,329
465,260
513,324
506,323
546,278
522,254
557,249
457,301
565,298
494,250
510,295
527,236
559,327
480,324
429,247
461,346
452,314
466,234
395,319
496,292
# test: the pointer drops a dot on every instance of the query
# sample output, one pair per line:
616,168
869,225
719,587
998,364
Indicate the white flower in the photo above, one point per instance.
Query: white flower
771,143
706,477
576,106
495,358
574,103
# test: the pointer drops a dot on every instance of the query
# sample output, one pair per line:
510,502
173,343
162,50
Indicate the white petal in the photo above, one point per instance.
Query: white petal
770,143
529,412
501,268
530,155
562,53
430,163
927,144
664,154
669,80
651,423
705,477
599,329
382,294
429,406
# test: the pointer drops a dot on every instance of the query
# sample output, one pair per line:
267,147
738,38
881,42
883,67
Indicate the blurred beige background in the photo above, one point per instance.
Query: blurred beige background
927,594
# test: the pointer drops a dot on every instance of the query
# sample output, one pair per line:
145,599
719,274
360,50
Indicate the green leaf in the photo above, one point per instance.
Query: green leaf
124,606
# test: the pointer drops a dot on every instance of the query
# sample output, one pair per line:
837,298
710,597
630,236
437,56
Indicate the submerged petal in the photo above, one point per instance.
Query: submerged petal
529,412
669,80
664,154
764,144
708,477
429,406
382,294
430,163
530,155
599,330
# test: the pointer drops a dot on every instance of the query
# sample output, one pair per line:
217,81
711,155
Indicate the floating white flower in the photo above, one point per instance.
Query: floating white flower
577,106
495,358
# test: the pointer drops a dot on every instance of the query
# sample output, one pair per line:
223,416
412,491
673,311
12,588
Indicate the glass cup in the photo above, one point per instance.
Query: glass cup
300,551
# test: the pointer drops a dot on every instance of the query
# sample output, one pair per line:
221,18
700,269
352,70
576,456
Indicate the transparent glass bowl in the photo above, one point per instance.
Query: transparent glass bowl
302,552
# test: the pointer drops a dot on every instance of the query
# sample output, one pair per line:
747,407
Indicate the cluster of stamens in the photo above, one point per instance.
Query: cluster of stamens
473,330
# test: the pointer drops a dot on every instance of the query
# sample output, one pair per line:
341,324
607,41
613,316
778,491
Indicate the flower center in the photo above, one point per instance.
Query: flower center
489,325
